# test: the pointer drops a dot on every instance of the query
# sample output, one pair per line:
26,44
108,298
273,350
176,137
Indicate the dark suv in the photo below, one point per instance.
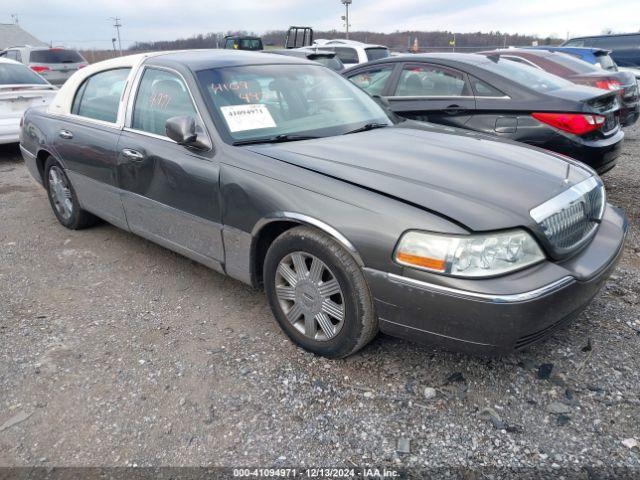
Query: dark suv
625,48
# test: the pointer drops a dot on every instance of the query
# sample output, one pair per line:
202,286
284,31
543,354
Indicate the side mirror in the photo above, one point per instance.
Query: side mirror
181,130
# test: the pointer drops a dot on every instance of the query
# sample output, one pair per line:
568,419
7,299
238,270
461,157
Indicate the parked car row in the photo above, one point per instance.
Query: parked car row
567,66
55,65
20,89
493,94
283,174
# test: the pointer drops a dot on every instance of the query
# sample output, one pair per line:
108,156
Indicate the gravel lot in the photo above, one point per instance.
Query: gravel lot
116,352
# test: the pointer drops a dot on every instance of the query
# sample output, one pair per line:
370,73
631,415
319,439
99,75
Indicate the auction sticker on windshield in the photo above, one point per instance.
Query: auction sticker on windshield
240,118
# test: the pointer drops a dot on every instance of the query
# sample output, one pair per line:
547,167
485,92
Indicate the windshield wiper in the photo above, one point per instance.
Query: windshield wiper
367,126
275,139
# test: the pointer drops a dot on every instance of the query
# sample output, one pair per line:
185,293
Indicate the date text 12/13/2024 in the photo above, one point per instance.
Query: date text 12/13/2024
366,473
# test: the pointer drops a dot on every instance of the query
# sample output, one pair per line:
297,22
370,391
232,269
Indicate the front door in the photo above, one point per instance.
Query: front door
433,93
170,192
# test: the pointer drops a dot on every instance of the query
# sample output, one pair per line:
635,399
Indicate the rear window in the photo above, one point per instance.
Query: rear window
55,56
376,53
11,74
250,44
527,76
576,65
333,63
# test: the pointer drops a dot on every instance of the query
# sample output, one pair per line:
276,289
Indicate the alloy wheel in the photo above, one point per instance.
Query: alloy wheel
310,296
60,192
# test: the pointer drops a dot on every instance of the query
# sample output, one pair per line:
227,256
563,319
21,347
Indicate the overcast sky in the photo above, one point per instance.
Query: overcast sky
85,23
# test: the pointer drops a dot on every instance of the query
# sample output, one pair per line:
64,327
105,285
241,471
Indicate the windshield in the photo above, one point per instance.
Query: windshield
265,101
376,53
11,74
525,75
55,55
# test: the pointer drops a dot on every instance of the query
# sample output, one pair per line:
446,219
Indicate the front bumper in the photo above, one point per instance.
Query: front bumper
497,316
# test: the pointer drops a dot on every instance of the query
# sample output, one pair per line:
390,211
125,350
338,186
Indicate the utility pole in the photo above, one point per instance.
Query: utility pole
346,4
117,25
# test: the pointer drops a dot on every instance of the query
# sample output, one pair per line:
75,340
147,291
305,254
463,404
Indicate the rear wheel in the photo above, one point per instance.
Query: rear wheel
63,199
318,293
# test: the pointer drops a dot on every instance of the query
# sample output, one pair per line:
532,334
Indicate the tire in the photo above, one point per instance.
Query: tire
327,309
67,211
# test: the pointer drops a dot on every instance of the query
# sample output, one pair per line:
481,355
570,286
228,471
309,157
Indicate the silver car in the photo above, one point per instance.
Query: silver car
54,64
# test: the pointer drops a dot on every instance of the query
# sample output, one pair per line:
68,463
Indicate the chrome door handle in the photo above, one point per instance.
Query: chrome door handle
66,134
132,154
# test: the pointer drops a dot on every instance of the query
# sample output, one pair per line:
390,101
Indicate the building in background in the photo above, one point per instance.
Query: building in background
11,34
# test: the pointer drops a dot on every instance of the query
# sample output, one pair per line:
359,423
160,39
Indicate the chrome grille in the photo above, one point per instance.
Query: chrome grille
571,218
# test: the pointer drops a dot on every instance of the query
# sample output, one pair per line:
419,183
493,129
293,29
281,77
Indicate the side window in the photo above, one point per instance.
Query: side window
617,43
14,55
575,43
347,55
431,80
161,95
483,89
373,81
99,95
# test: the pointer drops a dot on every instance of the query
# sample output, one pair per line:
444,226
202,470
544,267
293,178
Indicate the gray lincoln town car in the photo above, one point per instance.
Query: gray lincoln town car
280,173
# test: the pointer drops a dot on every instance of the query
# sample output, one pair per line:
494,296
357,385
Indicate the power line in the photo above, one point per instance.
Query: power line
117,25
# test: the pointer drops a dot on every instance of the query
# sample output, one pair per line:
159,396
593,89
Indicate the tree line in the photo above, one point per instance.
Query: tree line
397,40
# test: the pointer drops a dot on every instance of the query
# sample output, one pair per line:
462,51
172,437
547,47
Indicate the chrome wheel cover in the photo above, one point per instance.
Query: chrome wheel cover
310,296
60,192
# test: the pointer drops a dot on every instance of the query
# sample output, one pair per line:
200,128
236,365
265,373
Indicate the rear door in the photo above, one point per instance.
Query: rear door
170,192
86,142
432,93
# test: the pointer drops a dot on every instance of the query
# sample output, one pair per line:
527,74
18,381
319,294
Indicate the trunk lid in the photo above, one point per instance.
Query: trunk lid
15,99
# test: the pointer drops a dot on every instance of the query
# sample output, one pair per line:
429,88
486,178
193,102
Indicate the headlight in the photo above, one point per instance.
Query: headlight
476,255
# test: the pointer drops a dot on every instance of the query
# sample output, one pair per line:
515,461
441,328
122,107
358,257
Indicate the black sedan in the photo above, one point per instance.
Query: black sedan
280,173
501,97
564,65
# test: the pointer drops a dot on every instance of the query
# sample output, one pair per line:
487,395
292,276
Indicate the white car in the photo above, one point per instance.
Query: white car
20,88
634,70
351,52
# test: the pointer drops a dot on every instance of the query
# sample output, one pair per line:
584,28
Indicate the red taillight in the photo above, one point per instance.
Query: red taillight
575,123
82,65
39,68
608,84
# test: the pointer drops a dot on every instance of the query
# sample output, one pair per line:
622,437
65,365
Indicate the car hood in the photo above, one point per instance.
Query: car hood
477,181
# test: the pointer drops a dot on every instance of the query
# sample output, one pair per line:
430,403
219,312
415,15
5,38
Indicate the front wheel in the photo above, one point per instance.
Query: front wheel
63,199
318,293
